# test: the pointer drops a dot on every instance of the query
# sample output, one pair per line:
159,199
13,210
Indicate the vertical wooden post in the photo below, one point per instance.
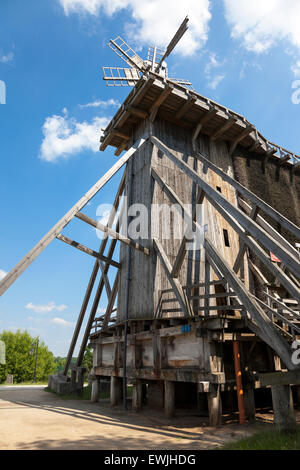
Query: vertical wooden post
137,395
249,402
239,385
284,416
115,390
80,378
95,389
169,398
73,380
298,394
214,405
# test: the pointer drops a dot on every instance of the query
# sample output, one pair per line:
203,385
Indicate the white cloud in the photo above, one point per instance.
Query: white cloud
7,58
46,308
216,81
213,63
62,322
102,104
261,23
155,20
64,136
2,274
210,69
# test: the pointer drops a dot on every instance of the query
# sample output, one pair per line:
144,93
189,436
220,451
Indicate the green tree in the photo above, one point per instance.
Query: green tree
21,350
59,364
87,361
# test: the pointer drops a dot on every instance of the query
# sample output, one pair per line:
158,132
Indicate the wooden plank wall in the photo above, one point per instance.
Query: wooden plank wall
147,275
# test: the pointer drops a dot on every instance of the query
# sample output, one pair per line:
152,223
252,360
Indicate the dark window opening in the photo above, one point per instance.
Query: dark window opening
226,238
219,189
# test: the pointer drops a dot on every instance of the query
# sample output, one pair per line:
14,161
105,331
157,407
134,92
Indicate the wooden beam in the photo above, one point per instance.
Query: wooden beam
236,215
140,113
105,279
122,147
282,220
256,144
275,313
269,153
224,127
242,136
186,107
182,249
93,277
139,93
111,303
96,301
207,117
117,133
178,290
13,275
87,250
243,246
162,97
277,378
237,219
112,233
268,332
267,227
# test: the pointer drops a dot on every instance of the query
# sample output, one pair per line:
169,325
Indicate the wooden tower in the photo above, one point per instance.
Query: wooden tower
185,323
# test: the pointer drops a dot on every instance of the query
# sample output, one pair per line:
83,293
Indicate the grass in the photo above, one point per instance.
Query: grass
24,383
267,440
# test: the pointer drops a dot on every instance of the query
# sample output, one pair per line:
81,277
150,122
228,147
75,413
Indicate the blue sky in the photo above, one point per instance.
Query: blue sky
243,55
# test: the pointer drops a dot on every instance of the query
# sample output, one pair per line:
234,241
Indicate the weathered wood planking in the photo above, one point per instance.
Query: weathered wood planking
148,277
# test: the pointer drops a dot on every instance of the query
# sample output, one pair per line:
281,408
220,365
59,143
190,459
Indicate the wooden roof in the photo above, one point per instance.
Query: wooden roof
155,96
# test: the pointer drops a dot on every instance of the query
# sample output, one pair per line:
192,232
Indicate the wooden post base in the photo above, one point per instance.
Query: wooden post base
169,398
116,389
284,416
95,390
137,395
215,405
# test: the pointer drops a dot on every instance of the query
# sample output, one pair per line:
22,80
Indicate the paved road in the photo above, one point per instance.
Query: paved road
34,419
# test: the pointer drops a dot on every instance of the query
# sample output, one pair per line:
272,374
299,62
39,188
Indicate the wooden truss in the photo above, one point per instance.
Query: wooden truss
255,234
247,220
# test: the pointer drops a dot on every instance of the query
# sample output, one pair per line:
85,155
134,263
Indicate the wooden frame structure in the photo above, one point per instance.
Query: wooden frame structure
182,336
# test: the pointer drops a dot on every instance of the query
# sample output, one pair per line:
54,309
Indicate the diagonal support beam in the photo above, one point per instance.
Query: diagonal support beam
105,279
112,233
242,136
234,215
219,132
182,249
187,106
176,286
93,277
157,104
95,306
267,331
88,251
13,275
207,117
283,221
267,227
111,303
243,247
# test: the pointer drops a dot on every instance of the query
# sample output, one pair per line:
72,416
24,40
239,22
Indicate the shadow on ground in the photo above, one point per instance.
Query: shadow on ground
41,420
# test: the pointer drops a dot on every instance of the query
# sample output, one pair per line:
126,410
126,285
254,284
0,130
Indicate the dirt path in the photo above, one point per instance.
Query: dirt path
34,419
